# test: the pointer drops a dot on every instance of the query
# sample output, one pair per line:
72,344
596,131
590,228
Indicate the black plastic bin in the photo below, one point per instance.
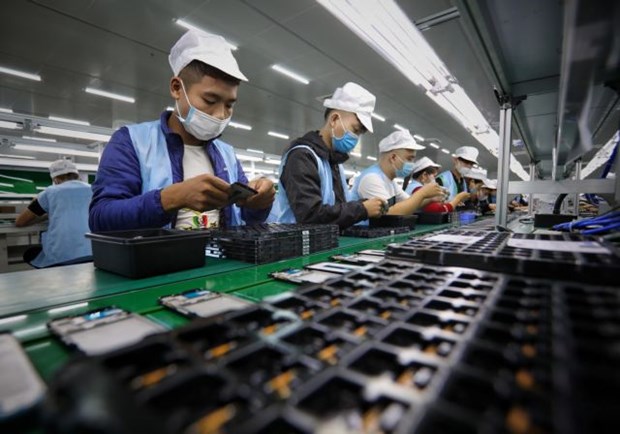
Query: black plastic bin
148,252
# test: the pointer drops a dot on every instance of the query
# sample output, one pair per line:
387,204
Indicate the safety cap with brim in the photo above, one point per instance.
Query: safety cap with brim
491,184
468,153
424,163
355,99
476,173
207,48
62,167
399,140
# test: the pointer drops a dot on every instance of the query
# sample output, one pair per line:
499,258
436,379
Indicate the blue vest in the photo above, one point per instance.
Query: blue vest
413,184
448,182
66,205
281,211
149,143
355,194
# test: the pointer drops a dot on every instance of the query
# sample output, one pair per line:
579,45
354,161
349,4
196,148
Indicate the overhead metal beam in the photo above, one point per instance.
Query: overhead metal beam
437,19
568,186
483,41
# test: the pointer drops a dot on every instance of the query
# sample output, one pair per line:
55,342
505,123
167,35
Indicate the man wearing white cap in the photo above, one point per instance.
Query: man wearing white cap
487,196
176,171
312,183
464,159
396,155
66,205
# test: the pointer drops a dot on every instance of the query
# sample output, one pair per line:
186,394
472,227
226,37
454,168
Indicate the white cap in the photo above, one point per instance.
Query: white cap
423,163
490,184
355,99
468,153
477,173
399,140
207,48
62,167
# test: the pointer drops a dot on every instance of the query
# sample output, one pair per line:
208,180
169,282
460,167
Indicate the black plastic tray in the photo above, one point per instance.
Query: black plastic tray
400,347
147,252
493,253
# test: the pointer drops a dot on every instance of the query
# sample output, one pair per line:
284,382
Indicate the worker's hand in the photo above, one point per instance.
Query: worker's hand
265,196
462,196
431,190
375,207
201,193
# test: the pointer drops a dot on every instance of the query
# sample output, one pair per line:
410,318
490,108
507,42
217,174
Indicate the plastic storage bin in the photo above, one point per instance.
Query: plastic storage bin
147,252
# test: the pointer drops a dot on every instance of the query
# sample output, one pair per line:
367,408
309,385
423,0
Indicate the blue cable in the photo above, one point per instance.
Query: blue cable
602,229
609,221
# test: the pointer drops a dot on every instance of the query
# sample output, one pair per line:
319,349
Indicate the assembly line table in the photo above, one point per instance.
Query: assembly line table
29,299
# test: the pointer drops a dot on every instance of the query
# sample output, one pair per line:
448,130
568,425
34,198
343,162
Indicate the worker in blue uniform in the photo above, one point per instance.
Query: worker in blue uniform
65,204
176,171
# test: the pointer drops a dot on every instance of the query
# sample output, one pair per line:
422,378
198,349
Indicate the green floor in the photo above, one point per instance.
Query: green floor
34,293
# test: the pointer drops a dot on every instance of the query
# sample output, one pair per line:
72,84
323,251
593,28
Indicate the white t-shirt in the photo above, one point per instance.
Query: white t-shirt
196,162
379,185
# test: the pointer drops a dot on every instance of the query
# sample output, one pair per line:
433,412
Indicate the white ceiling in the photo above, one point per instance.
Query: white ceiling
121,46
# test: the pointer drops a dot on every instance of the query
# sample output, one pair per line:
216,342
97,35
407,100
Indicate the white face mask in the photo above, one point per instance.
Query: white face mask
431,179
199,124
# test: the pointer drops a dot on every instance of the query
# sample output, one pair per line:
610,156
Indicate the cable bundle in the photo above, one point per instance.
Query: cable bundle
609,222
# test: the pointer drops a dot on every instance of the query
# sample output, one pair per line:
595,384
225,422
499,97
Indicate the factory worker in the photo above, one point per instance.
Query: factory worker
312,185
176,171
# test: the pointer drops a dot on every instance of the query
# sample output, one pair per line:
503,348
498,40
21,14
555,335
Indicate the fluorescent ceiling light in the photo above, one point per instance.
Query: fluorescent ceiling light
189,26
40,139
256,151
10,125
16,178
110,95
242,157
371,158
5,110
44,164
355,154
6,184
257,170
22,74
601,157
290,74
350,172
378,117
272,161
70,121
387,29
55,150
400,127
40,188
278,135
418,137
434,145
75,134
21,157
169,108
445,151
240,126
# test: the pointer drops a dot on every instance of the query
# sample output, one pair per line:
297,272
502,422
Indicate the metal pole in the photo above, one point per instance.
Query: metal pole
554,162
530,202
577,178
503,160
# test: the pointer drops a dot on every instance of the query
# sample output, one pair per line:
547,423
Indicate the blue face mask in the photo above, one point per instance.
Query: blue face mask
406,169
346,143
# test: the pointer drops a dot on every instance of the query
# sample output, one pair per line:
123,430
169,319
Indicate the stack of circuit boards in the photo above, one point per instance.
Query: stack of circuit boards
395,346
264,243
568,256
374,232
